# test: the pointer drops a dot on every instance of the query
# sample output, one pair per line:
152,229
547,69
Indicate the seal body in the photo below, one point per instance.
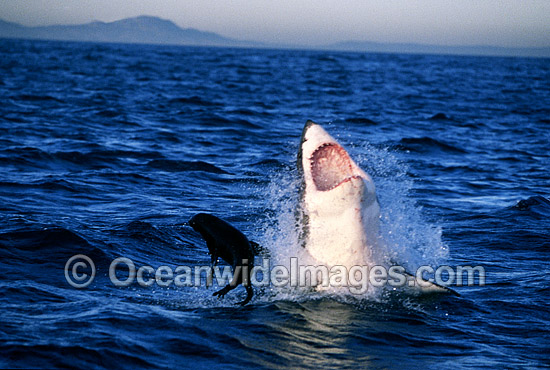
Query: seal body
226,242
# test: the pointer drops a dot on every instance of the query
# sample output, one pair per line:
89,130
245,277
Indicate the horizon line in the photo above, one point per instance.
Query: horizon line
316,46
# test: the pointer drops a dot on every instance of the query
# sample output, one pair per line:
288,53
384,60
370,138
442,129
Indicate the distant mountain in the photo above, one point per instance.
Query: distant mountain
153,30
374,47
143,29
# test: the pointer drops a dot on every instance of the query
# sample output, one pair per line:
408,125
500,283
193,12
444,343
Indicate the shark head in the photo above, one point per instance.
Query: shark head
340,211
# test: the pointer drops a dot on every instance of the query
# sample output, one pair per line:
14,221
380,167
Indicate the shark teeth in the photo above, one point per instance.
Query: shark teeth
331,167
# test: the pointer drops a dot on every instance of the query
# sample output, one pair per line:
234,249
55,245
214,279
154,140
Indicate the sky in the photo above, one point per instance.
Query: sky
508,23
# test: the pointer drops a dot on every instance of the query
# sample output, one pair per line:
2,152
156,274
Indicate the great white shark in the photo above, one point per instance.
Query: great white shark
338,209
338,205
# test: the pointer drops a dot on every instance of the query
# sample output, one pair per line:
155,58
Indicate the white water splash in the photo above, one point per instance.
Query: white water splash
407,239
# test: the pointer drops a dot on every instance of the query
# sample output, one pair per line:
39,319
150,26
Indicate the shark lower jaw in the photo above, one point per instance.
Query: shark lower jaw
331,167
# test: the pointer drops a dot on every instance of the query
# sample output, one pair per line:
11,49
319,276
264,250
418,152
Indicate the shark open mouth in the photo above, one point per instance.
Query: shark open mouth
331,167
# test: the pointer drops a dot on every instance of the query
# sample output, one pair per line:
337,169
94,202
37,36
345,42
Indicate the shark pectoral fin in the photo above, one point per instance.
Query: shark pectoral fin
420,286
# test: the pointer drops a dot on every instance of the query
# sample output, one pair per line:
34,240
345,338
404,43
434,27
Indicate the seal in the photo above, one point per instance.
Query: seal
226,242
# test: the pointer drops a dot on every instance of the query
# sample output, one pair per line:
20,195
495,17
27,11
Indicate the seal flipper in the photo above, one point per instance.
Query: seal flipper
222,292
213,262
229,287
249,294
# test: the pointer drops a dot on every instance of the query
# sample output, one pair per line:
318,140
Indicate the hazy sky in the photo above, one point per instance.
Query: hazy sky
447,22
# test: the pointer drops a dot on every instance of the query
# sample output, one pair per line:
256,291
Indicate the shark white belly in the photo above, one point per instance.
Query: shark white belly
339,206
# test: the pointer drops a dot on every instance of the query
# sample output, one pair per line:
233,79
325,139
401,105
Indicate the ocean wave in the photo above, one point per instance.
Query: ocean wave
36,98
33,157
172,165
427,145
361,121
194,100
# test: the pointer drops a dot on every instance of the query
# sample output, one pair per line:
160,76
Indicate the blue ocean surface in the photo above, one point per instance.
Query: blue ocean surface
108,150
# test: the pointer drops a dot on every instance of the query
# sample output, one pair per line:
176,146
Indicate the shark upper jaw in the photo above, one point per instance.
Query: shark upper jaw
331,167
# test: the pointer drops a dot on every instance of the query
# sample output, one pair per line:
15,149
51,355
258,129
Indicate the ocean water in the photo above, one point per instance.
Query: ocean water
108,150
